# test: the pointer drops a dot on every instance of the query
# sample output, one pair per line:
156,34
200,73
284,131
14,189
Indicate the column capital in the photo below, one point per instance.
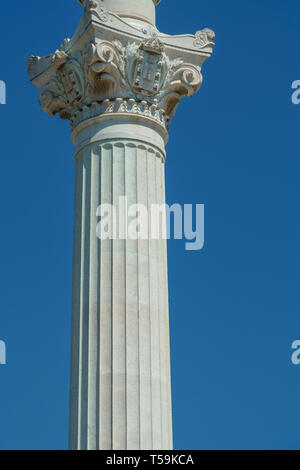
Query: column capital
115,66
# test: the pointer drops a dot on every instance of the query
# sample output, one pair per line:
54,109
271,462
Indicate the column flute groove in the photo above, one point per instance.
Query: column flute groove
149,313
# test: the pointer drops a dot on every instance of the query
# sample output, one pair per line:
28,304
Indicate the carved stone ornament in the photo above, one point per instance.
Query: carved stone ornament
110,66
204,38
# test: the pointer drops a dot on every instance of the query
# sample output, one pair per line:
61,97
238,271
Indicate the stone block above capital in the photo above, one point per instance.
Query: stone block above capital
141,10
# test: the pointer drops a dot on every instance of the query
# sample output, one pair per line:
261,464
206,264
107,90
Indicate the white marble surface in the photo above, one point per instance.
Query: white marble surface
121,389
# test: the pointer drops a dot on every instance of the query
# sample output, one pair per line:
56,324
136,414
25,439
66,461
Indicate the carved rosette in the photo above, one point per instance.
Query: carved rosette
136,77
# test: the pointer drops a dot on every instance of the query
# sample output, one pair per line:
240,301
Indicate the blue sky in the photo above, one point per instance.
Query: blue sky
235,305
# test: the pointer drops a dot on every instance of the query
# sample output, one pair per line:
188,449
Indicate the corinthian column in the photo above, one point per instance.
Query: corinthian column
119,81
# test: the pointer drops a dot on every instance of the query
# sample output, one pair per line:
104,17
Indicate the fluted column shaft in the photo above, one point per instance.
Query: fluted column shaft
120,364
119,81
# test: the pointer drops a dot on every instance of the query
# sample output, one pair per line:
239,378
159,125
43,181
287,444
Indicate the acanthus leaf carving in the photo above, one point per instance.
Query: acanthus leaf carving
183,79
52,98
65,88
103,67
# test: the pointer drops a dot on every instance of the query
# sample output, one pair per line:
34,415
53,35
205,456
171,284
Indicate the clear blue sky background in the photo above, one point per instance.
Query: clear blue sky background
234,305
